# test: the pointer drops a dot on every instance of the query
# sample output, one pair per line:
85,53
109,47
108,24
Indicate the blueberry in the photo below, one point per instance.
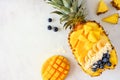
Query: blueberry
49,19
105,60
55,29
109,63
107,55
94,69
104,55
101,66
99,62
49,27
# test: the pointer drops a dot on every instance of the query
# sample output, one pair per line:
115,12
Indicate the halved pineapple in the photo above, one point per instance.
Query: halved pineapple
91,48
102,7
55,68
89,43
116,4
113,19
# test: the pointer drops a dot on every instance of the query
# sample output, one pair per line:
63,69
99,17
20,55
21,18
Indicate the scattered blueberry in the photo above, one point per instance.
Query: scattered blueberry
49,27
55,29
49,19
109,63
105,60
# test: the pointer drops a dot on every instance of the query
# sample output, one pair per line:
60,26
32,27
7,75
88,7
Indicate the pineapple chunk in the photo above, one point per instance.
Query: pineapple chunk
113,19
102,7
82,38
87,29
116,4
92,37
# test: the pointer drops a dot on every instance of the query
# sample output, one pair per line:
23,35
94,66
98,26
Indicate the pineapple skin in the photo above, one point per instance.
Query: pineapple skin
114,58
114,4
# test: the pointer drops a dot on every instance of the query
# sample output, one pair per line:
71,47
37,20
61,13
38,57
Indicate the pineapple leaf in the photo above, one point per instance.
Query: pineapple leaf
59,7
58,12
67,3
64,18
59,2
74,6
67,24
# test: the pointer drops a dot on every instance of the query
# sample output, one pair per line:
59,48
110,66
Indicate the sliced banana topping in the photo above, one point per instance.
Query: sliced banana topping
97,56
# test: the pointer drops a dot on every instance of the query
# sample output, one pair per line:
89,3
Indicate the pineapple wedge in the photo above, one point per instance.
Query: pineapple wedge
116,4
55,68
113,19
102,7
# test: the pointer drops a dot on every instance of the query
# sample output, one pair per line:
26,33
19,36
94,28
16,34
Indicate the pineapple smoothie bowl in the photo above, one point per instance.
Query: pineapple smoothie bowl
87,39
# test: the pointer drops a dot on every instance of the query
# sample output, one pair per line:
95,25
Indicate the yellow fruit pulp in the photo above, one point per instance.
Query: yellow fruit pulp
116,4
86,42
102,7
113,19
55,68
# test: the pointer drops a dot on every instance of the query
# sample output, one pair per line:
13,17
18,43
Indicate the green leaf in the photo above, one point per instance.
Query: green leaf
67,3
59,7
59,2
58,12
67,24
64,18
74,6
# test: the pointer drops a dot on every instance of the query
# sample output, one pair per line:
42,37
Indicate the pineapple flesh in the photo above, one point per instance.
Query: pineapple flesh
55,68
113,19
116,4
88,41
102,7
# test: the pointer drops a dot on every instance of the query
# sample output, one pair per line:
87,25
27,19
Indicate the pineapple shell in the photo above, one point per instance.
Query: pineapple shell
85,47
55,68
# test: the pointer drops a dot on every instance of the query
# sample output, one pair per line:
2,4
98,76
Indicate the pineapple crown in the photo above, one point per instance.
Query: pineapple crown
71,13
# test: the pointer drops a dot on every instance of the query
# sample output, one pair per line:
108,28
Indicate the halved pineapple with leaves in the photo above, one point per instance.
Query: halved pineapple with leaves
88,41
116,4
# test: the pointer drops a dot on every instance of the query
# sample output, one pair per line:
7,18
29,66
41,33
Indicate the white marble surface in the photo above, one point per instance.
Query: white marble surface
25,42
